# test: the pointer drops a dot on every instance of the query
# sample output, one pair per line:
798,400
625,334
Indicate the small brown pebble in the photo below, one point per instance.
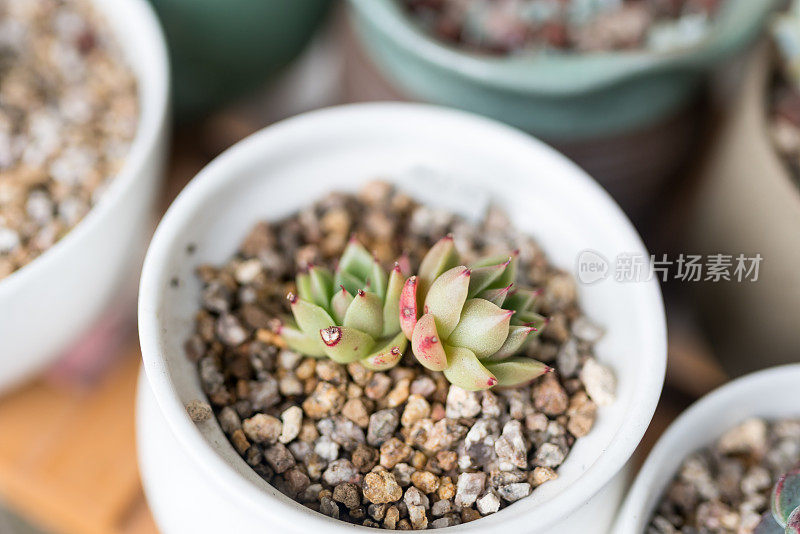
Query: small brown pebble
399,394
418,460
240,441
416,408
391,518
394,451
378,386
365,458
540,475
356,411
548,396
199,411
279,458
447,459
306,369
330,371
348,494
325,400
425,481
308,432
359,373
582,413
469,514
262,428
447,490
381,487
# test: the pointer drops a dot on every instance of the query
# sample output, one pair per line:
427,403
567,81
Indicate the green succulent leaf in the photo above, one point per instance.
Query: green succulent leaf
303,283
441,257
356,261
517,336
388,355
483,277
300,342
345,345
349,281
378,280
516,371
466,371
339,303
321,280
509,274
426,344
391,304
496,296
521,300
530,319
365,313
309,317
446,298
483,327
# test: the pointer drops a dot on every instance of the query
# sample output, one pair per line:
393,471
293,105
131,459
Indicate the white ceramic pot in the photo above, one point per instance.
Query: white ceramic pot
47,305
196,482
771,394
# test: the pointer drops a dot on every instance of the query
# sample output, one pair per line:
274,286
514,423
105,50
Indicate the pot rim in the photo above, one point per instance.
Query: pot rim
156,276
153,84
554,75
711,406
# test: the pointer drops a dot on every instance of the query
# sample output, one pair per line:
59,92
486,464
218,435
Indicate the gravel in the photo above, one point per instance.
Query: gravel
68,113
402,448
726,487
517,26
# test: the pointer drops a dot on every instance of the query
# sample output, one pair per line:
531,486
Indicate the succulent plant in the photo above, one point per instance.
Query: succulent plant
785,507
470,322
348,315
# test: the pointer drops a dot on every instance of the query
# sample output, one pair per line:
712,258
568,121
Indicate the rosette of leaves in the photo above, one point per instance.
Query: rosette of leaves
348,315
784,505
471,322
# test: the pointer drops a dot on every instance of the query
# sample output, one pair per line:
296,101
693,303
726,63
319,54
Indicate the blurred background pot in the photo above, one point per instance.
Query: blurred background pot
631,119
223,49
748,203
52,302
770,394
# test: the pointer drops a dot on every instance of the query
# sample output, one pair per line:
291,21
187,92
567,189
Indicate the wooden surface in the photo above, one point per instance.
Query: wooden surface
68,455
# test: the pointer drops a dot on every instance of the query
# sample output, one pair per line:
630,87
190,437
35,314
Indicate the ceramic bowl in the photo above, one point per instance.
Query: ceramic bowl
748,203
770,394
194,479
47,305
221,50
562,97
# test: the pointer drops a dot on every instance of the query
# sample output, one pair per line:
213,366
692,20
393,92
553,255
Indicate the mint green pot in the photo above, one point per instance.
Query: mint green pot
558,96
221,49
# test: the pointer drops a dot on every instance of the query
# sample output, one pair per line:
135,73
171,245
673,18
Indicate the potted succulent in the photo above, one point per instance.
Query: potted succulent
76,205
723,464
404,396
748,202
